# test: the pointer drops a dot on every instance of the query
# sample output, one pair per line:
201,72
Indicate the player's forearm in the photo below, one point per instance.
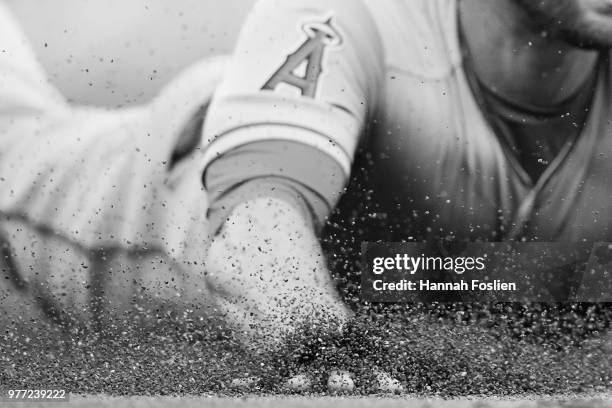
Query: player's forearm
264,234
268,199
268,272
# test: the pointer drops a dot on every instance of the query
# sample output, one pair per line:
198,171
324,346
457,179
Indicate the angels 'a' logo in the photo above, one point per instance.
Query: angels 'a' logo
308,58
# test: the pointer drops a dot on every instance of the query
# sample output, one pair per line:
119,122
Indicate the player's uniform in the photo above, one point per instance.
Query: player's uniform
95,210
313,82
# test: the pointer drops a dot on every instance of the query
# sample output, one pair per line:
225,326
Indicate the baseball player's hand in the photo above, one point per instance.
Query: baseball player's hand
268,275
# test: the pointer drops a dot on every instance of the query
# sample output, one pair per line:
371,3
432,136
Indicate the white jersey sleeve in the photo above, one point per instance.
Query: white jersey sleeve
293,103
97,177
93,200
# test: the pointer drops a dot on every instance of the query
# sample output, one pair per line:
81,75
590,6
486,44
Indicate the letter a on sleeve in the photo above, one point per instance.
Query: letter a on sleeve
294,100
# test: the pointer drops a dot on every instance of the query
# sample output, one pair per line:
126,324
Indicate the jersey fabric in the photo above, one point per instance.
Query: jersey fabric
91,201
387,78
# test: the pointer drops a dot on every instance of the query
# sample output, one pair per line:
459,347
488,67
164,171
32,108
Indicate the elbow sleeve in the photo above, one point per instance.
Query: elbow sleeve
307,177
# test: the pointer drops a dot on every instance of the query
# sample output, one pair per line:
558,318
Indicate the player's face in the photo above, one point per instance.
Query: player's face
584,23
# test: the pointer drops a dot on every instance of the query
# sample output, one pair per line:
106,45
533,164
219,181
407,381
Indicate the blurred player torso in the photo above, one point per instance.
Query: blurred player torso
433,167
